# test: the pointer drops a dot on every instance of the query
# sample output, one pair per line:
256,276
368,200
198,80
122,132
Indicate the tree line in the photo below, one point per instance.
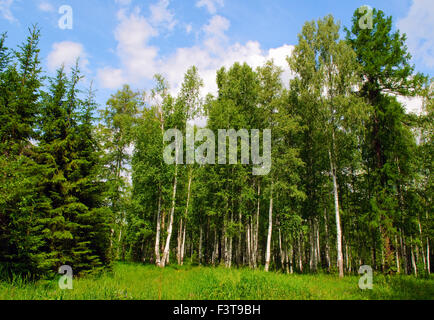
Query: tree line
349,185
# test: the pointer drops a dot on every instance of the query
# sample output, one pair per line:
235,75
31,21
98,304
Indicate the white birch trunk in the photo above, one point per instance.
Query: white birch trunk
413,260
311,246
340,262
398,264
257,228
157,236
290,259
270,230
249,255
300,258
183,246
165,257
185,216
179,238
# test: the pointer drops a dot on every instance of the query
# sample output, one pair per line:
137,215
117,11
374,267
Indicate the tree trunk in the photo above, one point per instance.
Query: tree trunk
314,246
111,241
318,248
249,253
200,244
216,248
428,264
327,247
340,262
413,260
230,245
239,252
281,251
312,252
157,236
255,261
142,250
270,230
252,243
225,238
347,257
398,266
290,258
183,246
213,249
185,217
119,240
374,252
163,228
179,238
404,253
300,250
168,257
421,241
165,258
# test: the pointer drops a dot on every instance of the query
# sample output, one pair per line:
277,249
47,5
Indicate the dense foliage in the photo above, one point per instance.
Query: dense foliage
52,209
350,182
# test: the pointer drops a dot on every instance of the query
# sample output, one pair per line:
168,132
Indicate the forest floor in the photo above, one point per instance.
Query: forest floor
136,281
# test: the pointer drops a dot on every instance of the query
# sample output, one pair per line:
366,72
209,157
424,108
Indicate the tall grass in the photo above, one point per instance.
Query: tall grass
135,281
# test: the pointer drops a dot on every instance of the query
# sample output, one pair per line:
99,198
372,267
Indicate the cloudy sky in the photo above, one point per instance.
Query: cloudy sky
128,41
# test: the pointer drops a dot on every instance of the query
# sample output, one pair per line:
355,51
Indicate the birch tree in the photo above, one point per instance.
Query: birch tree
116,133
329,67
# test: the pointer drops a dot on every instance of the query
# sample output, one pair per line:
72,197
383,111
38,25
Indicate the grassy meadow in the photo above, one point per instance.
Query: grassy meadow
139,282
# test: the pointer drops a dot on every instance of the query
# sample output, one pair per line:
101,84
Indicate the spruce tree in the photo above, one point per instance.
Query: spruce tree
23,202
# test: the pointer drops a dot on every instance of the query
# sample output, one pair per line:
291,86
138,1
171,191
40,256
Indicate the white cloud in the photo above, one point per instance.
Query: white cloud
111,78
67,53
139,61
188,28
46,6
419,27
161,15
217,26
137,56
215,34
279,56
211,5
5,10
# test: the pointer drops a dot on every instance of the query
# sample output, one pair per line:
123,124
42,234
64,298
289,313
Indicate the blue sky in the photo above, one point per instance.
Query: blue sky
128,41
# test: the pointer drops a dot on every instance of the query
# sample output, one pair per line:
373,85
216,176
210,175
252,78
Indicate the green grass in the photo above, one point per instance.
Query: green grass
135,281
